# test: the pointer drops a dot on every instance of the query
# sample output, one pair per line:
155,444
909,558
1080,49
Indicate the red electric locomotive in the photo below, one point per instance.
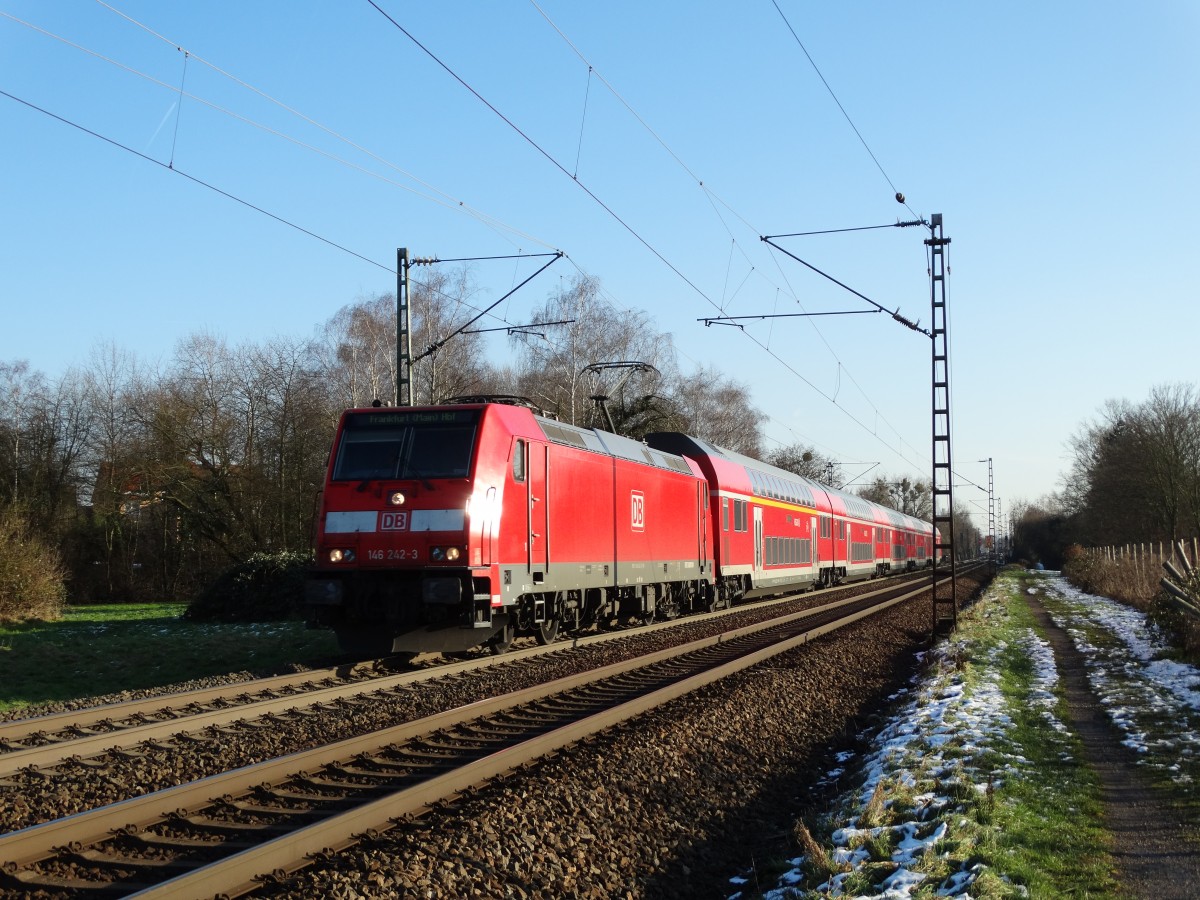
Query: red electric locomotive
442,528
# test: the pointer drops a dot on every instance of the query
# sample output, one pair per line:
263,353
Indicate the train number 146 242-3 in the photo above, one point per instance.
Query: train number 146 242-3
391,554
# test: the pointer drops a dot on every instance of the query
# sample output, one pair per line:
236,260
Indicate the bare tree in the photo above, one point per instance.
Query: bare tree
453,363
20,392
111,384
1167,433
551,372
1042,531
359,352
1135,472
718,409
292,442
968,540
805,461
43,432
910,497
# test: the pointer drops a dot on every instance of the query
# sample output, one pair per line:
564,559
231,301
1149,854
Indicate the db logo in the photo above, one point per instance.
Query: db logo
393,521
637,510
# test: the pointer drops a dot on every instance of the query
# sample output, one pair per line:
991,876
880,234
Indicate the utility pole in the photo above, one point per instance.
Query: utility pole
999,517
992,517
403,333
404,357
944,576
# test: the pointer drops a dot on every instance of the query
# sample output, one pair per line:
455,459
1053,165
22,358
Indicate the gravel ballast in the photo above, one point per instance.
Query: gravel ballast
666,806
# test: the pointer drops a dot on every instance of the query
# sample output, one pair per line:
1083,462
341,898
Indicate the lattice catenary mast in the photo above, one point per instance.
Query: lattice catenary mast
945,606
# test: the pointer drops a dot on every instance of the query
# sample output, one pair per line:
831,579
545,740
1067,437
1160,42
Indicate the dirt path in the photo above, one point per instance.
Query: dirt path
1153,854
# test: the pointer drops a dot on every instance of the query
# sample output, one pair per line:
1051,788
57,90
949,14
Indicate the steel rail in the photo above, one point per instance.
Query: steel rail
235,875
38,842
85,745
19,729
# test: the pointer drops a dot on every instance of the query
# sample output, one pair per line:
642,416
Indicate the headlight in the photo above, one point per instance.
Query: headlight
337,556
441,554
396,498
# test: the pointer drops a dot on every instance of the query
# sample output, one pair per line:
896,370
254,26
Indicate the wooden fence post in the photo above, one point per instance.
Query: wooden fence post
1181,583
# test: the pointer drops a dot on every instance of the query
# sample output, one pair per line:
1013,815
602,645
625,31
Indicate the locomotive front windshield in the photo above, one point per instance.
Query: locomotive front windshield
400,445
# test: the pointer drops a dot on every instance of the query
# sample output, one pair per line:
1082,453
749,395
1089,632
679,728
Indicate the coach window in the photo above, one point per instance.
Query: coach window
519,461
841,531
724,513
825,528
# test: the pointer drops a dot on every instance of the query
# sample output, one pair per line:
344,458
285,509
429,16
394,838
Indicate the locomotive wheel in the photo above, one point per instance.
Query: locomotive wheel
546,632
503,639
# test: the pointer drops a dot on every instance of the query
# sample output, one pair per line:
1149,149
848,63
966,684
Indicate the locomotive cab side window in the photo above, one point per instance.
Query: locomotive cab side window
518,462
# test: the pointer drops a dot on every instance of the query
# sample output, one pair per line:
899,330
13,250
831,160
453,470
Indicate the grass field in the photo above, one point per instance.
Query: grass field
95,650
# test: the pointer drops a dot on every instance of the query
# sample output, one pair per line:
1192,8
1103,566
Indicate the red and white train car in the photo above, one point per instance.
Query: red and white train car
778,530
443,528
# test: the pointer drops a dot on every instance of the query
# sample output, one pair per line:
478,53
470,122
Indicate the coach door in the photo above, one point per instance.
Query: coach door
538,507
815,543
758,544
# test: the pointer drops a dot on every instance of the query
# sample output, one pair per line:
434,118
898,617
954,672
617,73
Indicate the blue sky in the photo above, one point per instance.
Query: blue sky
1059,141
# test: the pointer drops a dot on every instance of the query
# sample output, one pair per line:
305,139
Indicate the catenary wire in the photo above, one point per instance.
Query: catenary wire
714,199
612,213
284,221
850,121
194,179
202,183
545,153
447,200
453,203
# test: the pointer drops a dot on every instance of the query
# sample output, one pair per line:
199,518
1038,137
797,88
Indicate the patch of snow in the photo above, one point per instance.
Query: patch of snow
947,731
1144,694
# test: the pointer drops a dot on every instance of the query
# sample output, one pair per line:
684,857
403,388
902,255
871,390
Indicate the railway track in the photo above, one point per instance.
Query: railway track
44,743
217,834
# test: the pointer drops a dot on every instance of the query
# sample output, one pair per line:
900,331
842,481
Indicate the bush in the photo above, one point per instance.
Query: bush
266,587
1133,582
31,572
